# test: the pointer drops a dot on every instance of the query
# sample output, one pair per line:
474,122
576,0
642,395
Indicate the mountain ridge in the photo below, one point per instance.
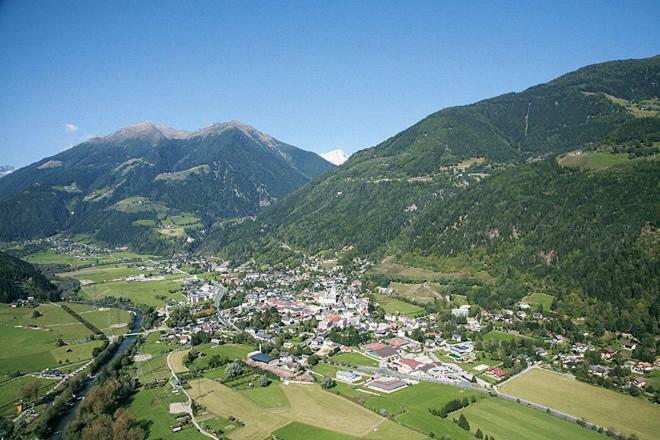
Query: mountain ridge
222,171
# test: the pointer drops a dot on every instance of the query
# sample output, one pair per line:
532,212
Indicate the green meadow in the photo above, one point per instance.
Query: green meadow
9,392
152,293
151,407
540,299
395,306
301,431
355,359
510,420
410,407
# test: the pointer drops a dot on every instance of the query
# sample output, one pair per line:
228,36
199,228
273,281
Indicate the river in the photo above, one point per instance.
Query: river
65,418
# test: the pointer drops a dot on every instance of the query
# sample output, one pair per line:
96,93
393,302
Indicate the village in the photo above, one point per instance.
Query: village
317,312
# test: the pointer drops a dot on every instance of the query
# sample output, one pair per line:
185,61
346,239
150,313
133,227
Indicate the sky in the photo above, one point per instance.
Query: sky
318,75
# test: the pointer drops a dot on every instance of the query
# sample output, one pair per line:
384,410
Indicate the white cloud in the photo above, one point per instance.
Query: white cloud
71,128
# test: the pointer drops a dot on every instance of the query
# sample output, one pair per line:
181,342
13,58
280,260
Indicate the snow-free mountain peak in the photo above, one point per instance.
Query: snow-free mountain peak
146,130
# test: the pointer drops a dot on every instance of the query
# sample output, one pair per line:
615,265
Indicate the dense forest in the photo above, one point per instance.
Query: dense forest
19,279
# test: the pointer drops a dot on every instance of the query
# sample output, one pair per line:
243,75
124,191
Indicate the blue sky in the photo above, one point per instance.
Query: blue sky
318,75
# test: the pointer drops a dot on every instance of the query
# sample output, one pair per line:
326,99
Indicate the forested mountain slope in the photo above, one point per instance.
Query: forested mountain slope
365,202
19,279
147,184
554,188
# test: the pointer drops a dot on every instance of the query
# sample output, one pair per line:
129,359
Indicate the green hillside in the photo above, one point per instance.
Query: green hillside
127,187
19,279
482,183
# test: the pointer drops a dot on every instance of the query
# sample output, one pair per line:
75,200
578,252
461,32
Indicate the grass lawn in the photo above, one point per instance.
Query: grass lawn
151,408
356,359
395,306
301,431
152,293
593,160
10,388
542,299
604,407
506,419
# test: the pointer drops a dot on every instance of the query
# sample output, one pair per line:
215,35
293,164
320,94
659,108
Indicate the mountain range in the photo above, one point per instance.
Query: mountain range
151,186
553,189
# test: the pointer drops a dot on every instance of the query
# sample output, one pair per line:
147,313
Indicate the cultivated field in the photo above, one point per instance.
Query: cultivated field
308,404
30,344
152,293
510,420
299,431
9,392
51,256
110,321
400,272
177,360
155,367
100,274
604,407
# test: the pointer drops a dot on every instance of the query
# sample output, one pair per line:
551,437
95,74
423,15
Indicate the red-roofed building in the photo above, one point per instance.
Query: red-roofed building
496,373
407,365
397,342
374,346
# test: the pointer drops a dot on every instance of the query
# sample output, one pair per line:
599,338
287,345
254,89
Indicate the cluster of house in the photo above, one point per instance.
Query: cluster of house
64,245
199,291
415,360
